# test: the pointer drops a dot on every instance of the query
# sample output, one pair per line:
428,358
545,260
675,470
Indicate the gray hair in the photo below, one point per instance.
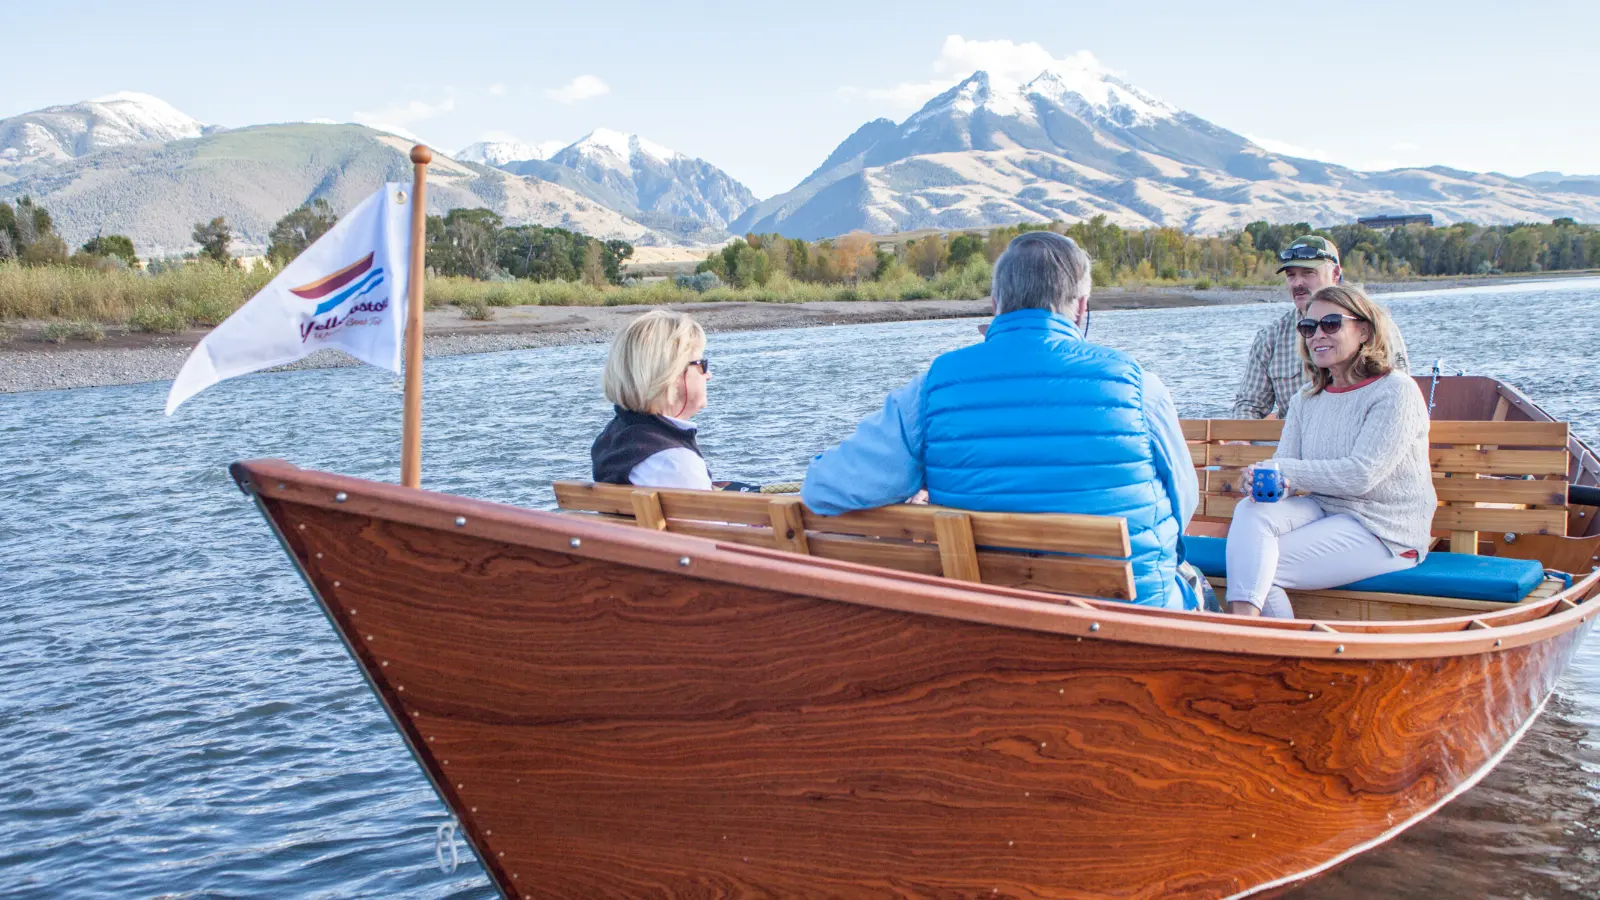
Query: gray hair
1040,270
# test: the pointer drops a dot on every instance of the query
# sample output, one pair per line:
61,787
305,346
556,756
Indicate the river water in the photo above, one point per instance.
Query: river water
178,720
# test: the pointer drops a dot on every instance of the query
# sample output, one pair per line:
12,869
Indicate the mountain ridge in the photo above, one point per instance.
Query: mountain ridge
1072,145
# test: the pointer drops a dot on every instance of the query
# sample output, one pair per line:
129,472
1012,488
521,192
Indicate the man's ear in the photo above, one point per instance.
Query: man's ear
1080,308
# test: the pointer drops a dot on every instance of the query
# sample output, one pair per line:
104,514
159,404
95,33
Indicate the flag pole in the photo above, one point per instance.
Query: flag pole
411,428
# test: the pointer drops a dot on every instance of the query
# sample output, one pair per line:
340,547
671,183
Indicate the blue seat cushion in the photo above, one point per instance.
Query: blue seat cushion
1456,575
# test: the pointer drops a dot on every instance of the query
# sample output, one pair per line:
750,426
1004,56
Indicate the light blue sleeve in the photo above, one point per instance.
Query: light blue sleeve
1173,461
880,464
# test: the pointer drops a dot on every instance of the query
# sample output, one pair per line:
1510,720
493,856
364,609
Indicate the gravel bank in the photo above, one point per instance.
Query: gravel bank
28,363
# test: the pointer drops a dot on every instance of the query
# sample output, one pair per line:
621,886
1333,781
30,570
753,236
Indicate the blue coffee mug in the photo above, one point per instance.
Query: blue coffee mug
1267,487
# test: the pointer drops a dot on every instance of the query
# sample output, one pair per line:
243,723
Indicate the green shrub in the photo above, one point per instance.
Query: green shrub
1203,284
157,320
61,332
1234,284
477,311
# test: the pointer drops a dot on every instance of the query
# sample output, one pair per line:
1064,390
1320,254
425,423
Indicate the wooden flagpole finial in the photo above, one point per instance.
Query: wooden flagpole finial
411,427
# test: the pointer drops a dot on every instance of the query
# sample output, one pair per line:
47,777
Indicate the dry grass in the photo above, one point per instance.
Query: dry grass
205,294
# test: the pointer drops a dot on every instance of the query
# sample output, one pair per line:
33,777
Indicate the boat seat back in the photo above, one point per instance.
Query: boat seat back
1056,553
1499,477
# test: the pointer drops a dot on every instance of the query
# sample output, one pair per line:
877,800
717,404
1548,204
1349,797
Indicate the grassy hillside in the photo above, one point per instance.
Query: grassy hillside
251,177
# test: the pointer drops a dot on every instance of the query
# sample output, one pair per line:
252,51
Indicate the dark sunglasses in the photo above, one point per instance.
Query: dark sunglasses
703,363
1330,324
1305,251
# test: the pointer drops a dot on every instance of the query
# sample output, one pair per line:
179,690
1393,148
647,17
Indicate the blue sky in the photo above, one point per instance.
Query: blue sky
766,90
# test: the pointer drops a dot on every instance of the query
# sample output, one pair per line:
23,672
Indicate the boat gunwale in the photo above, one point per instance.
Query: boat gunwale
1094,619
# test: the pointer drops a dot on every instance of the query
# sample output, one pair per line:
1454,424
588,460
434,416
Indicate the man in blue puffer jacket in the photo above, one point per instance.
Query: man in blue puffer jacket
1033,419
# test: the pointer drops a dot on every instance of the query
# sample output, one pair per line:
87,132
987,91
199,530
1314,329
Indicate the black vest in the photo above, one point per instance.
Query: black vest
631,438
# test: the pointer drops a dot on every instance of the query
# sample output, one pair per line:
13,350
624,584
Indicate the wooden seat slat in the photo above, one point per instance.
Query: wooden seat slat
1498,462
1501,490
1245,429
1505,434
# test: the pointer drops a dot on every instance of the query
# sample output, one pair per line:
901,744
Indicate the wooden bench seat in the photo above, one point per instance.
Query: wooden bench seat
1064,554
1500,477
1504,478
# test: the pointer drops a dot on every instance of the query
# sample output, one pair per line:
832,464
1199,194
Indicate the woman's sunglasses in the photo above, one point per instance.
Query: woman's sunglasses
703,363
1330,324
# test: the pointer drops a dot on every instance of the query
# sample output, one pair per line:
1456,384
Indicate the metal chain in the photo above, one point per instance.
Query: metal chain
446,836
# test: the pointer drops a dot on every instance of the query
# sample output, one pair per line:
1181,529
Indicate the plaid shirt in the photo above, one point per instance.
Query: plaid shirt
1274,371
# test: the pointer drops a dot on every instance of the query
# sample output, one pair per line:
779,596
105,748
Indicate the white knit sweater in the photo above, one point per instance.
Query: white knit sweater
1365,452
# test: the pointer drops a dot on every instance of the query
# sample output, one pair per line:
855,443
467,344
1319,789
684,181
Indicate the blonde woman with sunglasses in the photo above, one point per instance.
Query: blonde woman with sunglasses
656,376
1355,450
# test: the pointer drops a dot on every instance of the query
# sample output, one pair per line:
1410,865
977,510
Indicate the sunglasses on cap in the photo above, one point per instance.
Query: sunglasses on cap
703,363
1305,251
1330,324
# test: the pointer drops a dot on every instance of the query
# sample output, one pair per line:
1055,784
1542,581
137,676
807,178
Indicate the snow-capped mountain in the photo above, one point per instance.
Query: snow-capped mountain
1077,143
62,133
651,178
499,153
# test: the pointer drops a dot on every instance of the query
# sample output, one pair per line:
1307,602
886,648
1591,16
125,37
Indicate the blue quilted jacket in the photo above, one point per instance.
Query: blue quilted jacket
1036,419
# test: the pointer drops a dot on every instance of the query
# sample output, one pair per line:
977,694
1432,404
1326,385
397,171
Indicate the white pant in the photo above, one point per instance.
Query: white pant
1293,544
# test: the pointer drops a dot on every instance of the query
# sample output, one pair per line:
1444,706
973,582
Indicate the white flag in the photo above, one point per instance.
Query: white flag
346,291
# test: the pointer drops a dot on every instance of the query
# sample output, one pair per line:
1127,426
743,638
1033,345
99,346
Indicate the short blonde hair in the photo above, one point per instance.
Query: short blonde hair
1375,358
648,356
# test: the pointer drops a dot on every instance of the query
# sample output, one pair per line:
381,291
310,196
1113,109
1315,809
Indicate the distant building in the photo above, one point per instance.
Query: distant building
1396,221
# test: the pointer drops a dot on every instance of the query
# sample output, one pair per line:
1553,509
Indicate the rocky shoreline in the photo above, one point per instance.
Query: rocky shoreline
29,363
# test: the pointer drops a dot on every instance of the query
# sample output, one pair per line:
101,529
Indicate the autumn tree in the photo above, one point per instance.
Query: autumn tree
927,256
855,256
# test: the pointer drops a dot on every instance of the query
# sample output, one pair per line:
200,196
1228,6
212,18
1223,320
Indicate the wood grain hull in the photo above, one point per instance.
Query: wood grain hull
616,713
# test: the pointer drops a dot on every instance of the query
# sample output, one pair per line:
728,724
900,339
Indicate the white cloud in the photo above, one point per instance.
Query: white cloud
1405,146
397,118
1284,148
498,89
584,87
1007,62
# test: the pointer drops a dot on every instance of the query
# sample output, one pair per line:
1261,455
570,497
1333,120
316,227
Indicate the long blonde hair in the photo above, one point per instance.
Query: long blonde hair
646,359
1375,358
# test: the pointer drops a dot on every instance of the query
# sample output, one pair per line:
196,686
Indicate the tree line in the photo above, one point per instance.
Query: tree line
477,244
1151,254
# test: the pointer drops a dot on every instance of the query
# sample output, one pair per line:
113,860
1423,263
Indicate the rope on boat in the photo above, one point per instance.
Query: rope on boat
782,487
443,837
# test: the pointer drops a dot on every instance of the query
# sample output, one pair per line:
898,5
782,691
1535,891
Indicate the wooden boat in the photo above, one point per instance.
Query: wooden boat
613,710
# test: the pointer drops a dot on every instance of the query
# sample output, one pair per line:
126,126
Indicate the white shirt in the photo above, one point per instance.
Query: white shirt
674,467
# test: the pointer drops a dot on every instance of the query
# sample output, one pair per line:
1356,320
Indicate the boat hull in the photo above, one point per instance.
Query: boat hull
655,714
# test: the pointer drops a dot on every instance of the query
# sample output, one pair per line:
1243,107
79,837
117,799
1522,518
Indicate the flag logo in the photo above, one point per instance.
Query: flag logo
361,272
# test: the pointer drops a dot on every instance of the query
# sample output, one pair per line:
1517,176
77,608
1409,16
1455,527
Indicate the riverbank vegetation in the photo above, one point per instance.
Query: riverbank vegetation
478,263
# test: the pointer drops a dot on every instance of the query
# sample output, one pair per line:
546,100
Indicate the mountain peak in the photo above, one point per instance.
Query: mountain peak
499,153
60,133
623,145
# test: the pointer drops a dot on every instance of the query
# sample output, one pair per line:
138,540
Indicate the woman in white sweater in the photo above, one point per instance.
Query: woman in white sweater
1355,447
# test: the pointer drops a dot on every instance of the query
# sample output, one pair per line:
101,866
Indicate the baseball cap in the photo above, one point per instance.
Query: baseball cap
1308,252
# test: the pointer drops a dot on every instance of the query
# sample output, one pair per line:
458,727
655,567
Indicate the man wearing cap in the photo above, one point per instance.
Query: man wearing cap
1274,371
